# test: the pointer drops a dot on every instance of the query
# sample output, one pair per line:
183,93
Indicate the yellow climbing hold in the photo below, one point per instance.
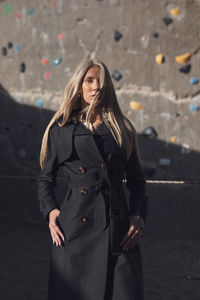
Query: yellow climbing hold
134,105
159,58
173,139
182,59
175,11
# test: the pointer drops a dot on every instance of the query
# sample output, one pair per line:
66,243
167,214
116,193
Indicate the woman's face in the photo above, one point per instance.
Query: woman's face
90,85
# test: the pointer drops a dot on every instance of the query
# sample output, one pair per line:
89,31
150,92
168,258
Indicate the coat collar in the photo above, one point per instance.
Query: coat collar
75,127
81,129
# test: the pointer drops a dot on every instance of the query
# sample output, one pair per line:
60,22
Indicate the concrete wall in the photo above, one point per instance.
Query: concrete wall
71,30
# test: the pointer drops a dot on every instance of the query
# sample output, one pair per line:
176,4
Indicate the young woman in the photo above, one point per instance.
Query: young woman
95,253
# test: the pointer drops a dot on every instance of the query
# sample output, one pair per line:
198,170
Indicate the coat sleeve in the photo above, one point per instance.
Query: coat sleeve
136,187
46,179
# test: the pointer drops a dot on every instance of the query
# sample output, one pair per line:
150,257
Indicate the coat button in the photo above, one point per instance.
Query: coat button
101,165
84,219
81,169
84,192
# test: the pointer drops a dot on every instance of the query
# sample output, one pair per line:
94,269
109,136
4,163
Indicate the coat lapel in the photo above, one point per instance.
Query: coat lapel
64,141
81,129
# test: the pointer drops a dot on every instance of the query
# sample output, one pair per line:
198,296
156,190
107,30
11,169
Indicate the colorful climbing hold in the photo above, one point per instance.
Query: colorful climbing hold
117,35
57,61
31,11
22,67
167,20
18,15
8,9
165,161
174,139
117,75
60,36
186,69
185,149
194,80
10,45
184,58
159,59
134,105
47,75
16,48
194,107
155,34
39,102
53,2
44,61
4,51
149,132
175,11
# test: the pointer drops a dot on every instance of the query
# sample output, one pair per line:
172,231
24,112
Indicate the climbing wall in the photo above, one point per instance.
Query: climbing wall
152,50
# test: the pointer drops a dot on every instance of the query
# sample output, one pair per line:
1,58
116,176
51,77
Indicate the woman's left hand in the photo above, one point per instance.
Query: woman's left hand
132,237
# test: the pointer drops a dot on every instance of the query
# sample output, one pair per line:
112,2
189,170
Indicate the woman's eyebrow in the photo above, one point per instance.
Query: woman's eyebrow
89,77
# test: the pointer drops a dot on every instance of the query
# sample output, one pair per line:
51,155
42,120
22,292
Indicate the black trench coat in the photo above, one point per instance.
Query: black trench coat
94,216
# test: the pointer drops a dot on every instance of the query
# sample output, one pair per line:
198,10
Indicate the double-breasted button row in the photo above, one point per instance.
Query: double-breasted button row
81,169
84,192
84,219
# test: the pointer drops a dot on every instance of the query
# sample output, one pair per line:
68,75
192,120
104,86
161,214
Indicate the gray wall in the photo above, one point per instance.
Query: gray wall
87,28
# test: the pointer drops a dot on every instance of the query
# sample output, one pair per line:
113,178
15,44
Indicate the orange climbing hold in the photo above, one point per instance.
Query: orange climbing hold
173,139
184,58
134,105
175,11
159,59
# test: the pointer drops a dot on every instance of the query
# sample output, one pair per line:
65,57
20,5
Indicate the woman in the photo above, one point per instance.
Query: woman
95,232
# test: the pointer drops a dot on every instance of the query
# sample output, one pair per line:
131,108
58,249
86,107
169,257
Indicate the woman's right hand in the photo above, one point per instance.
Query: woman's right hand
54,228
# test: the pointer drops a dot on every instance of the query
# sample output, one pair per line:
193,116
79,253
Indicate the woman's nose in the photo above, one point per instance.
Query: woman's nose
95,86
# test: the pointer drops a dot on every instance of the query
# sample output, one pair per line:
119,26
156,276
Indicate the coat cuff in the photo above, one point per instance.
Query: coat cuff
46,206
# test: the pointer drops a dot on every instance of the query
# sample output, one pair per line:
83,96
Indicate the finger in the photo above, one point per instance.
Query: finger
52,237
56,236
124,239
127,235
135,242
132,243
59,232
131,240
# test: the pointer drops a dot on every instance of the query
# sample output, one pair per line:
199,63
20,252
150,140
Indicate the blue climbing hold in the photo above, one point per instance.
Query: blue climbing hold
39,102
117,75
16,48
57,61
194,80
194,107
31,11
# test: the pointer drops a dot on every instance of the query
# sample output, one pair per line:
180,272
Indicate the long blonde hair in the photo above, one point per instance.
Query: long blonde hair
121,128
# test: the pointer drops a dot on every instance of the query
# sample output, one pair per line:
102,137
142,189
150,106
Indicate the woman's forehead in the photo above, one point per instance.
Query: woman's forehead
93,71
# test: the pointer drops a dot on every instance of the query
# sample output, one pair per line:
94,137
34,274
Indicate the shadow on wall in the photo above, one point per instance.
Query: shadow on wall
21,131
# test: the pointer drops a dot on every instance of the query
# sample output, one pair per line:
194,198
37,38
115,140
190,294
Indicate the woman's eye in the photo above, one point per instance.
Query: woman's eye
89,80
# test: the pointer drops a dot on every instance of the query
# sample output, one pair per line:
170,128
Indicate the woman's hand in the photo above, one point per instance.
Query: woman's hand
54,228
132,237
